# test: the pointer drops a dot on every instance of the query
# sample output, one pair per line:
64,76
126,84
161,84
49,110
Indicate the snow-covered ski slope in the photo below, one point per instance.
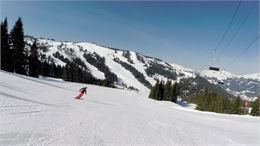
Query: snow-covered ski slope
43,112
72,50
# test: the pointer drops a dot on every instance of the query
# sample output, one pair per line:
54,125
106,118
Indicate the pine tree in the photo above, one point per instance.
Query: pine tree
167,90
17,45
52,69
73,72
236,106
65,75
154,91
34,61
59,71
173,93
105,83
45,69
160,93
255,108
227,106
79,74
220,104
205,100
76,73
177,89
206,91
5,48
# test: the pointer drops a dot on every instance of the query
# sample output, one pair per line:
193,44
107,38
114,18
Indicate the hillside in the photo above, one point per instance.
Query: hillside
245,86
127,69
42,111
128,65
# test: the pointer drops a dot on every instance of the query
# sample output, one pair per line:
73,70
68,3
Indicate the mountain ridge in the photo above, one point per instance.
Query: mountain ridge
255,75
132,70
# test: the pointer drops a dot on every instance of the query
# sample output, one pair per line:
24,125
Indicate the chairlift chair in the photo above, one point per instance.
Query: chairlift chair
220,82
214,68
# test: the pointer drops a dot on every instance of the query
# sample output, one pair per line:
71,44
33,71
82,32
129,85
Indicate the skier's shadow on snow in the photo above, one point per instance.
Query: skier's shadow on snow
24,99
99,102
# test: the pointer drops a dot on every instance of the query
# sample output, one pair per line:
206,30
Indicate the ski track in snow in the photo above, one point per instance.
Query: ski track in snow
43,112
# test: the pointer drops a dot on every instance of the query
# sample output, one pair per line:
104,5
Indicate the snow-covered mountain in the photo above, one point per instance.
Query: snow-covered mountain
246,86
183,70
134,70
40,111
131,68
254,76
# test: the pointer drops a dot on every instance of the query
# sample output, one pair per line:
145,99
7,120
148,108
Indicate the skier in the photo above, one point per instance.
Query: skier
81,92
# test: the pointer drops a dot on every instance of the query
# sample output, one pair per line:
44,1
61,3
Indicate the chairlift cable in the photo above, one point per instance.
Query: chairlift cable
235,59
237,31
225,33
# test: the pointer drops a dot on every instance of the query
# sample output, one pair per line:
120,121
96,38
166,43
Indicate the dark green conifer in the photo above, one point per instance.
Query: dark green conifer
33,61
17,45
167,90
5,48
255,108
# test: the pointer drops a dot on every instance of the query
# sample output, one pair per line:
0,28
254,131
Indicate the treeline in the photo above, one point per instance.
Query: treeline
99,62
165,91
156,68
140,58
138,75
13,53
255,107
15,57
210,101
127,55
205,100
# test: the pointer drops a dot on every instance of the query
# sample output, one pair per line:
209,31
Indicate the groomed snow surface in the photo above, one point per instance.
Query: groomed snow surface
43,112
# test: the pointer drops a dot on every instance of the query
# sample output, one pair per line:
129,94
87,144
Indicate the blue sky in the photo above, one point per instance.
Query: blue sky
181,32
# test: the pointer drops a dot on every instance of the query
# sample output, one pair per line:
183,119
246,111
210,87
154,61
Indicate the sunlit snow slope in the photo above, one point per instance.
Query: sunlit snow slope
43,111
245,86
